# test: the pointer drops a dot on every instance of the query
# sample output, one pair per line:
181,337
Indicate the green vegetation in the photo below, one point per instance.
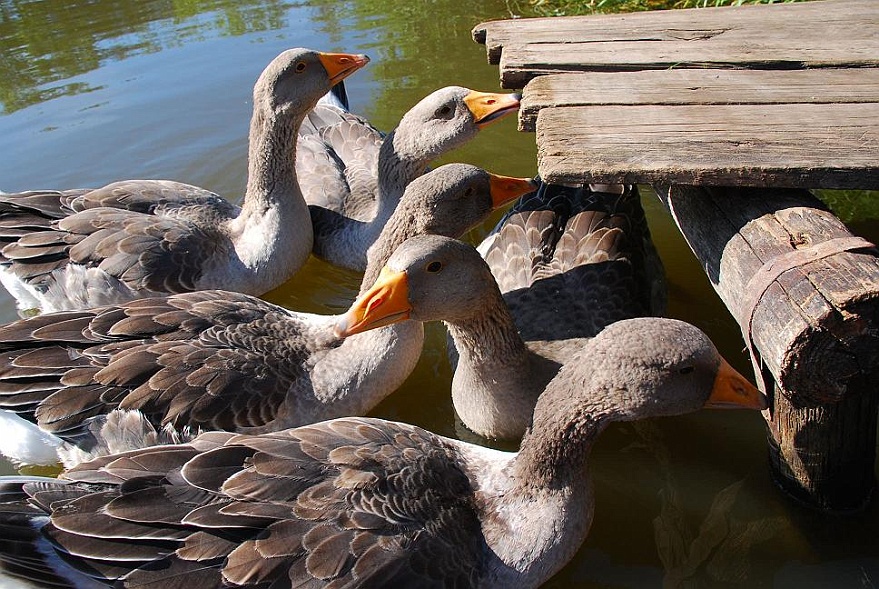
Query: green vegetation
853,206
574,7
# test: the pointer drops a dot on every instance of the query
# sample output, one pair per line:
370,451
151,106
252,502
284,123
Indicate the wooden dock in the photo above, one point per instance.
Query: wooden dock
772,95
732,113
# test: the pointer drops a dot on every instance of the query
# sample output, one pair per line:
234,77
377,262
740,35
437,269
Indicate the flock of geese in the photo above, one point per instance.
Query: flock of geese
212,439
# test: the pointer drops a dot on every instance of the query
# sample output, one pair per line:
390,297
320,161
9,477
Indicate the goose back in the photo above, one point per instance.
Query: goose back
570,261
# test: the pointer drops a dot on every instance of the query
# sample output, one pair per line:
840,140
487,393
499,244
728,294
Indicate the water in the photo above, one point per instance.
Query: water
98,91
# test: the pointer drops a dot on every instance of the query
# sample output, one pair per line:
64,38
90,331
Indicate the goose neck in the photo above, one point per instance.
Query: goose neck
399,227
398,164
271,174
555,449
488,340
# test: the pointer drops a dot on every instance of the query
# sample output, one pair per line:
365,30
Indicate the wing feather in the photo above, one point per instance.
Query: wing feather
194,515
149,234
208,359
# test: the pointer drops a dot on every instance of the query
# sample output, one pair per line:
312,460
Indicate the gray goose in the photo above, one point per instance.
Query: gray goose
137,238
362,502
216,359
563,264
353,176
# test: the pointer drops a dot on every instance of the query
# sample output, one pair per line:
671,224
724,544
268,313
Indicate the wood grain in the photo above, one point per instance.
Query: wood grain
698,86
732,145
522,62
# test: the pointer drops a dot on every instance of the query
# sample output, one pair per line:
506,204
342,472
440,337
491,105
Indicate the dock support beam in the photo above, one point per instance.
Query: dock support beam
805,292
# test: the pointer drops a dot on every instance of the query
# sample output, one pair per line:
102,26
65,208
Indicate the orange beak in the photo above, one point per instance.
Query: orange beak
385,303
732,390
487,107
506,188
341,65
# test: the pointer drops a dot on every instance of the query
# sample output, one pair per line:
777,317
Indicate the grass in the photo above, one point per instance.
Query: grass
574,7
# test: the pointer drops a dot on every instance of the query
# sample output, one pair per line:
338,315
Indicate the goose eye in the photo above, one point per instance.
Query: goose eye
687,369
434,267
469,192
444,110
300,67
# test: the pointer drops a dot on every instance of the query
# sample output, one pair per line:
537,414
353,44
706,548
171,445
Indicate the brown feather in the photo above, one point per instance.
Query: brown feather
202,546
245,565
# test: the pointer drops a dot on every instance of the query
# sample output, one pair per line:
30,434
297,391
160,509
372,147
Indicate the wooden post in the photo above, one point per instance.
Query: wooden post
806,294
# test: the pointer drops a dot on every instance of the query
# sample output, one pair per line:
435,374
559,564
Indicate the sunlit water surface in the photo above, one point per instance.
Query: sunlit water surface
93,92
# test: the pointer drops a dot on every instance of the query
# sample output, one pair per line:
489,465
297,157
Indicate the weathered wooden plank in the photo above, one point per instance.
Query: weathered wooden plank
680,25
815,329
751,49
698,86
727,145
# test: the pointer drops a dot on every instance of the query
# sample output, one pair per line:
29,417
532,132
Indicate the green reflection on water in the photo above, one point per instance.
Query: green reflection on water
45,44
853,206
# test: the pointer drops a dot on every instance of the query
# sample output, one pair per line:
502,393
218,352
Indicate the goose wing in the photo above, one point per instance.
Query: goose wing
337,161
207,359
149,234
570,261
132,195
145,252
146,196
352,502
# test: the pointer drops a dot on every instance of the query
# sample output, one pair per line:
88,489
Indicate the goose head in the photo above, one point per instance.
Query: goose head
297,78
427,278
633,369
455,197
448,118
651,367
446,201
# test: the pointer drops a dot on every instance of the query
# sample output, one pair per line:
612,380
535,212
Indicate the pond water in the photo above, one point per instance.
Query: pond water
93,92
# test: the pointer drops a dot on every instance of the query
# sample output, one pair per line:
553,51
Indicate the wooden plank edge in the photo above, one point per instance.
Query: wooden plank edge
480,34
553,170
496,33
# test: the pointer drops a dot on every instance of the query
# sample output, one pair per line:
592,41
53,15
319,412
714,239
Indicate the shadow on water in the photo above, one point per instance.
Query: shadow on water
105,90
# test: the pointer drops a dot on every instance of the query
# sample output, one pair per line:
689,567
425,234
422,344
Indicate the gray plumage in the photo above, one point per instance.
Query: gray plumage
568,263
563,264
353,176
137,238
359,502
220,360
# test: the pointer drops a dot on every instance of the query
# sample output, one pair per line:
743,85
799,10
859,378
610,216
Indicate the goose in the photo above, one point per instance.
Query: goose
76,249
353,176
563,264
363,502
214,359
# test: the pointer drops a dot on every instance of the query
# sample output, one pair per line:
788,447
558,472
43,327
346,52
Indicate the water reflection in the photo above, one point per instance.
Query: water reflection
45,44
99,91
